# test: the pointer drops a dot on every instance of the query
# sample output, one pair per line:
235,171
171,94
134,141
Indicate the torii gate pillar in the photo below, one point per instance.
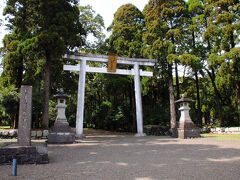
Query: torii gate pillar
138,98
80,101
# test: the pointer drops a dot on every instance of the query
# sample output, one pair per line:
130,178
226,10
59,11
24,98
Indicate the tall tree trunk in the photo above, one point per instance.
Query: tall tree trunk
237,69
199,112
177,80
18,86
133,108
172,101
38,108
176,67
19,75
238,101
219,99
45,122
220,113
15,121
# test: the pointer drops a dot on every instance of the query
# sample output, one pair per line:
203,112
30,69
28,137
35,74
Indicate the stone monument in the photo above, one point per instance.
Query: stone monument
25,116
187,129
61,131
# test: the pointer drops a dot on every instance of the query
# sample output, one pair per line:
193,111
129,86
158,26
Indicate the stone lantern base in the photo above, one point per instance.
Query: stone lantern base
61,133
188,129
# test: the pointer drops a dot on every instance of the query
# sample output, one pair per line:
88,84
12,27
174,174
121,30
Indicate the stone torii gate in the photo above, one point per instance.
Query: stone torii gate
83,68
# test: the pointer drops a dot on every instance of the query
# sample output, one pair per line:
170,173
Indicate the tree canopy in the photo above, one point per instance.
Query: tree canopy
40,33
196,44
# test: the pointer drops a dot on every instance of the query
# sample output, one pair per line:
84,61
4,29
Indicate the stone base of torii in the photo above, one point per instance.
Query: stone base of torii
82,68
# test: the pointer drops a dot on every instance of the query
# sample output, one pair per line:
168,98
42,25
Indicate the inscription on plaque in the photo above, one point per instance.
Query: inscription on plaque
112,63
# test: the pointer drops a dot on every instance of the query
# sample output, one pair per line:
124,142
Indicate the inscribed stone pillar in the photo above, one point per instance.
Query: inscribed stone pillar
25,116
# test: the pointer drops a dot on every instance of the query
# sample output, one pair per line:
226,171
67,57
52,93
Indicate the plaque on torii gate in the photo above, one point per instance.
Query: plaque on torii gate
82,68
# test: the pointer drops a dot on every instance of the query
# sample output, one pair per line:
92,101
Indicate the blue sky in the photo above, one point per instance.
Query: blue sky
106,8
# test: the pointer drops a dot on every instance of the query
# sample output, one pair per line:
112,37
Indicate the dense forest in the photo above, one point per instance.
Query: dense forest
196,44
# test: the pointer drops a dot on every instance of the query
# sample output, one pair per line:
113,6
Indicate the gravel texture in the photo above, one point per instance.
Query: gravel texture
125,157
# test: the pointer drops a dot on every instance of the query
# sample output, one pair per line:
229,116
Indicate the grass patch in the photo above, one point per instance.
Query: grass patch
5,127
223,136
1,145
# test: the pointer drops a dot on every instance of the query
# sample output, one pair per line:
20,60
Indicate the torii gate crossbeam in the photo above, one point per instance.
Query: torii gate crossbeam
83,68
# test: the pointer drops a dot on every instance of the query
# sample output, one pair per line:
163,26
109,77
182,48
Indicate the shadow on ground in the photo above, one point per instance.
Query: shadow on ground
121,157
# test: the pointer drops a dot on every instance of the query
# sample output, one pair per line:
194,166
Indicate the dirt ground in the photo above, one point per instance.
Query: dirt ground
113,156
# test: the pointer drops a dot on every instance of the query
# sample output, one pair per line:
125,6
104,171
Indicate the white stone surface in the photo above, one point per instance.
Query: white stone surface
185,117
104,70
33,133
140,134
45,133
104,59
138,99
80,101
233,129
39,134
61,107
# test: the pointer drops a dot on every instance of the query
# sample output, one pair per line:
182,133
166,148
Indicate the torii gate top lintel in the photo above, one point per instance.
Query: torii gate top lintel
104,59
83,68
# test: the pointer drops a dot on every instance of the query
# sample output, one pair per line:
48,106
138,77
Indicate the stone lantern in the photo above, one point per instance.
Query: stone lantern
61,131
187,129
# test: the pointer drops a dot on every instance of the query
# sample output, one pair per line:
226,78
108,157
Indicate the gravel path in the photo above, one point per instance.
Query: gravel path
125,157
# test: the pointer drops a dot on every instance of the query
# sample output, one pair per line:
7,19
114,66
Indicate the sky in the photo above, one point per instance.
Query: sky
106,8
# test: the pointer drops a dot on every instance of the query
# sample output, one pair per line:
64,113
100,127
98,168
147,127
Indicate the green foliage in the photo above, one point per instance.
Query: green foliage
223,136
111,108
9,98
5,127
126,32
93,25
202,36
52,111
40,33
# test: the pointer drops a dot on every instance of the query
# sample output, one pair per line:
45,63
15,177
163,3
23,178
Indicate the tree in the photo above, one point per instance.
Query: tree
223,34
9,98
93,25
196,51
53,28
125,40
110,99
127,28
164,23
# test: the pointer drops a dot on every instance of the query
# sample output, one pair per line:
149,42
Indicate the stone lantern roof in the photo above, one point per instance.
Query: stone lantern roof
61,95
183,99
